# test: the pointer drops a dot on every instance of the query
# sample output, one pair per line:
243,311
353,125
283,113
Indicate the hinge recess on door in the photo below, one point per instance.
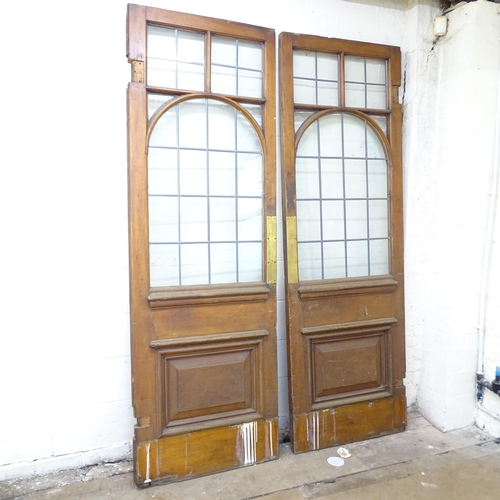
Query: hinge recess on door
137,71
291,249
272,249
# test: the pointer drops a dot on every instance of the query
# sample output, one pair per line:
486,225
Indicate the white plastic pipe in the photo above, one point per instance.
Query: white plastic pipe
489,238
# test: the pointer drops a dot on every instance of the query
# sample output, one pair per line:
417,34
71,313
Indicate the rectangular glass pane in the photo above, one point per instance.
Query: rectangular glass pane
193,219
193,172
223,80
376,71
190,76
308,221
250,174
163,219
249,262
222,172
162,171
357,258
222,219
331,135
376,97
334,260
354,137
328,66
379,257
162,73
333,220
355,178
250,55
192,124
194,264
161,42
191,47
307,178
356,219
332,185
355,95
223,263
223,51
328,93
378,219
304,64
249,83
161,68
164,265
221,126
250,219
310,262
304,91
377,179
354,69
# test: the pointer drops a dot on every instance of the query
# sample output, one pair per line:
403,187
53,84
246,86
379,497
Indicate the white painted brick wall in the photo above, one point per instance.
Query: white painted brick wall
462,154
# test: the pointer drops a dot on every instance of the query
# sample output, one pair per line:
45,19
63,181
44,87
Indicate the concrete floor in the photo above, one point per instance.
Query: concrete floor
419,463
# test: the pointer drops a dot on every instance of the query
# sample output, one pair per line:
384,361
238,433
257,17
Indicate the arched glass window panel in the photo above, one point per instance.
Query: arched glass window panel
342,199
205,192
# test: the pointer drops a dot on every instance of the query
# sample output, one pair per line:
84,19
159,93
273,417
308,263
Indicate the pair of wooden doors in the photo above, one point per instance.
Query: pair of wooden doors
203,248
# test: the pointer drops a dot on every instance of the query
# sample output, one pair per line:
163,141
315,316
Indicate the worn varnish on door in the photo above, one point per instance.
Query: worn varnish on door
342,187
201,126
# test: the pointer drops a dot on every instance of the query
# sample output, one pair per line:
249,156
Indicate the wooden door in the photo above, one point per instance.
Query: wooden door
341,171
201,126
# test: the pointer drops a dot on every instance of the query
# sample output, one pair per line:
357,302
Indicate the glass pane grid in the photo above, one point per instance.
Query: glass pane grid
237,67
365,82
315,77
359,203
176,58
211,228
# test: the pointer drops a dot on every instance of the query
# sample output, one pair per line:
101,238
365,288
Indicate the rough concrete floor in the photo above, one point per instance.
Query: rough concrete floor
419,463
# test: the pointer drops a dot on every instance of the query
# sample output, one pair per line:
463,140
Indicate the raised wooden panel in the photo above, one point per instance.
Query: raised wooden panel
210,380
223,317
350,360
207,384
349,365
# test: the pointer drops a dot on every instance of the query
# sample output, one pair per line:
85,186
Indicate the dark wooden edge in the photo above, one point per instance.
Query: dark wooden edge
182,20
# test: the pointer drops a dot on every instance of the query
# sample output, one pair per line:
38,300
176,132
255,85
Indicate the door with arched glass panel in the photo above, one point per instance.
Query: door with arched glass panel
341,159
201,111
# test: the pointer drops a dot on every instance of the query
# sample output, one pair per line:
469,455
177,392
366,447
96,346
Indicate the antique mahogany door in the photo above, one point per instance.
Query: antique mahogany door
341,172
201,127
